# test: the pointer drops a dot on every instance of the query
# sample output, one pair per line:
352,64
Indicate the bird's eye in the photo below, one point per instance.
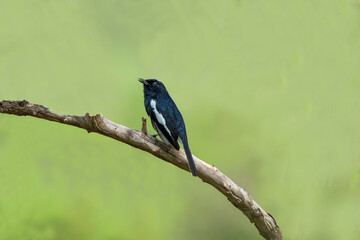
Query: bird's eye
154,83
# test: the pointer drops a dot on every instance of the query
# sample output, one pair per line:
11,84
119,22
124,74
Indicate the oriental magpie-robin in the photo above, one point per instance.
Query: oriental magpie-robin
166,117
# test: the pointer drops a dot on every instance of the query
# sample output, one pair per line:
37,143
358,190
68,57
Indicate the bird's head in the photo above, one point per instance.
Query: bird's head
152,85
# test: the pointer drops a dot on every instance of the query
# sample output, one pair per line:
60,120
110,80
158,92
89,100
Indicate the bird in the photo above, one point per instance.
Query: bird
166,118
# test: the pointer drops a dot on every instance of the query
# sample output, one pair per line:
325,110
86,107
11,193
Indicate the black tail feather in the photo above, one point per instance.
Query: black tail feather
190,159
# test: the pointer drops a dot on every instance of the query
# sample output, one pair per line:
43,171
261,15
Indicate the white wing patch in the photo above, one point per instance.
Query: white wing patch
159,116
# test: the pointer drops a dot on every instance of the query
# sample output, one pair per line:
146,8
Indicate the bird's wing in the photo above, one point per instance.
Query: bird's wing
164,123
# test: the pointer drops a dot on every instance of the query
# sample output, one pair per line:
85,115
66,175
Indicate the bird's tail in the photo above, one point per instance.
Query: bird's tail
190,159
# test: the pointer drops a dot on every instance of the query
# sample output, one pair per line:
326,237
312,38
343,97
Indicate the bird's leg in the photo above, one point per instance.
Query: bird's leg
154,135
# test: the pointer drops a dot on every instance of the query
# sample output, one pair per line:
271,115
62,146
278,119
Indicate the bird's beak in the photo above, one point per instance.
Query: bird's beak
143,81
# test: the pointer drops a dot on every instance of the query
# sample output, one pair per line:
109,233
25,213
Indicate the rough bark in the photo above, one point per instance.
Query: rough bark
263,221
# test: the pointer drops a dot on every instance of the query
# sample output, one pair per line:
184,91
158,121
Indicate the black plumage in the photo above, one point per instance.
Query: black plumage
166,117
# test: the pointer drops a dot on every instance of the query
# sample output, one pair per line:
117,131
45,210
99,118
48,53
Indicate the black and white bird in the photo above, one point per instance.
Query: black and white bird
166,117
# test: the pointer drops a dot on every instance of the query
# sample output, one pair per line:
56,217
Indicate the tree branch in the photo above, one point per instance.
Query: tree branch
263,221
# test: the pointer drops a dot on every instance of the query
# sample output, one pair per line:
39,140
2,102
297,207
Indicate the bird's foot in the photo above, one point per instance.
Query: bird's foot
154,135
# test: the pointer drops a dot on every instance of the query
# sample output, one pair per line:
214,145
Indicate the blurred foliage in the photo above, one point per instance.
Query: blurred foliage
269,91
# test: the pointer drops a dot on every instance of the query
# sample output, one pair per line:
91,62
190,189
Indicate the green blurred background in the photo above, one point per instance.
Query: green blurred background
269,91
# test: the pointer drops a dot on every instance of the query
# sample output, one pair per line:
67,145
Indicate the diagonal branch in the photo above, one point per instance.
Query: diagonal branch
263,221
